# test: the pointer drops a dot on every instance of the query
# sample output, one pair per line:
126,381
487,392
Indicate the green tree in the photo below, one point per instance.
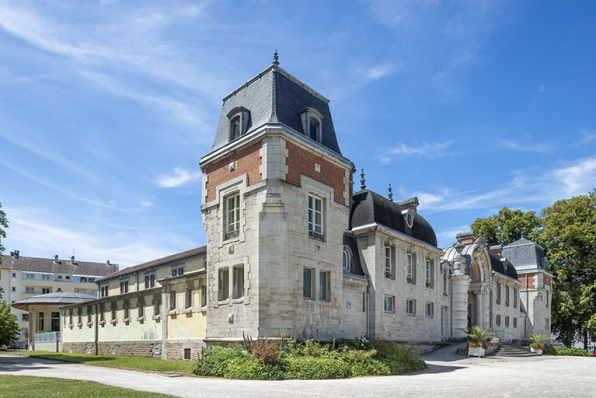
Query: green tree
507,226
9,327
3,224
569,238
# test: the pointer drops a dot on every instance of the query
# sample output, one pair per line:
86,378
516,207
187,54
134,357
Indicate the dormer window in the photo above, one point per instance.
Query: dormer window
239,122
312,124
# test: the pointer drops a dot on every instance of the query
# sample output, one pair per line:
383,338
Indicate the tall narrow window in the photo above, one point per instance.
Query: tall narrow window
324,285
40,321
498,293
498,320
232,216
235,128
515,297
102,312
224,284
429,310
315,217
429,275
307,285
389,304
389,263
114,309
126,310
89,313
188,297
203,296
141,307
156,305
347,260
410,307
149,280
313,129
80,315
445,291
238,282
547,297
507,296
514,322
411,268
173,304
124,286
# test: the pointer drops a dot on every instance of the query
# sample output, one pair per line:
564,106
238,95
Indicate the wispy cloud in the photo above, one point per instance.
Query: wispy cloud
577,179
527,147
378,71
587,135
450,234
426,149
541,88
180,177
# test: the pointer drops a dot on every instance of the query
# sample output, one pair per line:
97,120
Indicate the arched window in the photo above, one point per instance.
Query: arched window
311,124
313,129
239,122
347,259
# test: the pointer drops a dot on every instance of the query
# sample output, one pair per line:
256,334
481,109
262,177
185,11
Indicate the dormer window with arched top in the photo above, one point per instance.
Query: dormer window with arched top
312,124
239,122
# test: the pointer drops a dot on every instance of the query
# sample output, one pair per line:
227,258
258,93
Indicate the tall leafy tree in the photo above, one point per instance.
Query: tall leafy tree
507,226
569,239
3,224
9,327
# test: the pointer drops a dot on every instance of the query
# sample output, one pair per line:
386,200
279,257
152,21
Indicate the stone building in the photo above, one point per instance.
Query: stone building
293,251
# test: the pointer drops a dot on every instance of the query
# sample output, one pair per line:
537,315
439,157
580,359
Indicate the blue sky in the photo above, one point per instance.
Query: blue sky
106,108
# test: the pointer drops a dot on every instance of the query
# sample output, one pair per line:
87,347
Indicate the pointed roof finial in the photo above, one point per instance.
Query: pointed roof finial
275,58
390,193
362,180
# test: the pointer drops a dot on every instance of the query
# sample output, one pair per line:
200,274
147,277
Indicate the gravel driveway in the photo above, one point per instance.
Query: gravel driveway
448,376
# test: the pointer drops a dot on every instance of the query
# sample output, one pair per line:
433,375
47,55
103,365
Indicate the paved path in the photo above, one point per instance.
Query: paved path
448,376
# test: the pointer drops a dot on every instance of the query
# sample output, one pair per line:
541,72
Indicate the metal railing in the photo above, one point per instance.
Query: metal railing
47,337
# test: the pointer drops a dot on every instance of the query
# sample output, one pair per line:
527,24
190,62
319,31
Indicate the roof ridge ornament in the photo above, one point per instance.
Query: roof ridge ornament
275,58
390,196
362,180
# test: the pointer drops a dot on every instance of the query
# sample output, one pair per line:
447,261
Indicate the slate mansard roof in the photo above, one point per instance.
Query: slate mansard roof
525,255
34,264
369,207
275,97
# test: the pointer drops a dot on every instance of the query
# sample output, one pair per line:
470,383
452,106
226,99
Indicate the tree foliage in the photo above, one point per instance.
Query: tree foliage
569,238
3,224
507,226
9,327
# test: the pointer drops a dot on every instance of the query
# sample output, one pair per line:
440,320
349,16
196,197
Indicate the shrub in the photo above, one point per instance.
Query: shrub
315,368
363,363
564,351
251,369
266,352
215,360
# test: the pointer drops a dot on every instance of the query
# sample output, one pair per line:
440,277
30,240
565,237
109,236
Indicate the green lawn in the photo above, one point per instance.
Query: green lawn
28,386
114,361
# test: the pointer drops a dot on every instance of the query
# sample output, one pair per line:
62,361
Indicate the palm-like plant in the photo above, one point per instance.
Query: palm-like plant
477,334
537,340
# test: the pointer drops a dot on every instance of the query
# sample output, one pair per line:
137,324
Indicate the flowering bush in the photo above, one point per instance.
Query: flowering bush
537,346
478,344
266,352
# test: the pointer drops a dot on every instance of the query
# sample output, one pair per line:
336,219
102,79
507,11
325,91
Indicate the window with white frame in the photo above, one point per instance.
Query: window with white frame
123,286
315,217
498,320
347,259
224,284
429,273
389,260
177,270
389,304
410,307
429,310
232,216
149,280
307,283
238,281
104,291
411,268
324,285
311,123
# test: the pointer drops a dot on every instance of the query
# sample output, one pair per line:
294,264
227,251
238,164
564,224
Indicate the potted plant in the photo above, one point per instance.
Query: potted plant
477,346
536,345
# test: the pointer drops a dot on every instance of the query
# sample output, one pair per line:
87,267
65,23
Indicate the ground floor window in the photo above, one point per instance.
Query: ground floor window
239,282
429,310
55,319
514,322
411,307
307,284
224,284
498,320
390,304
506,321
324,286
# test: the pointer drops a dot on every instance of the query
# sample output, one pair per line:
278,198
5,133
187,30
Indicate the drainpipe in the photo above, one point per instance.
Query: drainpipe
368,307
96,329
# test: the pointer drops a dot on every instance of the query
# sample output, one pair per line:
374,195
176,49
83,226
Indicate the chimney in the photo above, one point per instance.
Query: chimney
15,254
56,260
465,238
72,260
411,204
497,249
108,263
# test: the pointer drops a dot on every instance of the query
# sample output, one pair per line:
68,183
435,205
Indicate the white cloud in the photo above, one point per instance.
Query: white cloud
527,147
434,150
452,232
576,180
379,71
181,176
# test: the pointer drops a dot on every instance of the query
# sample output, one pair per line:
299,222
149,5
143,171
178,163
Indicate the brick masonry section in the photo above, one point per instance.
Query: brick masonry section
300,161
247,161
123,348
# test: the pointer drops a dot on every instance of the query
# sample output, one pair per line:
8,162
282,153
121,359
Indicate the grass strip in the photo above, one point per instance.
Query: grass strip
48,387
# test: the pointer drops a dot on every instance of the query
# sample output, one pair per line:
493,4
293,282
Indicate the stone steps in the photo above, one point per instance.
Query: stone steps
512,351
